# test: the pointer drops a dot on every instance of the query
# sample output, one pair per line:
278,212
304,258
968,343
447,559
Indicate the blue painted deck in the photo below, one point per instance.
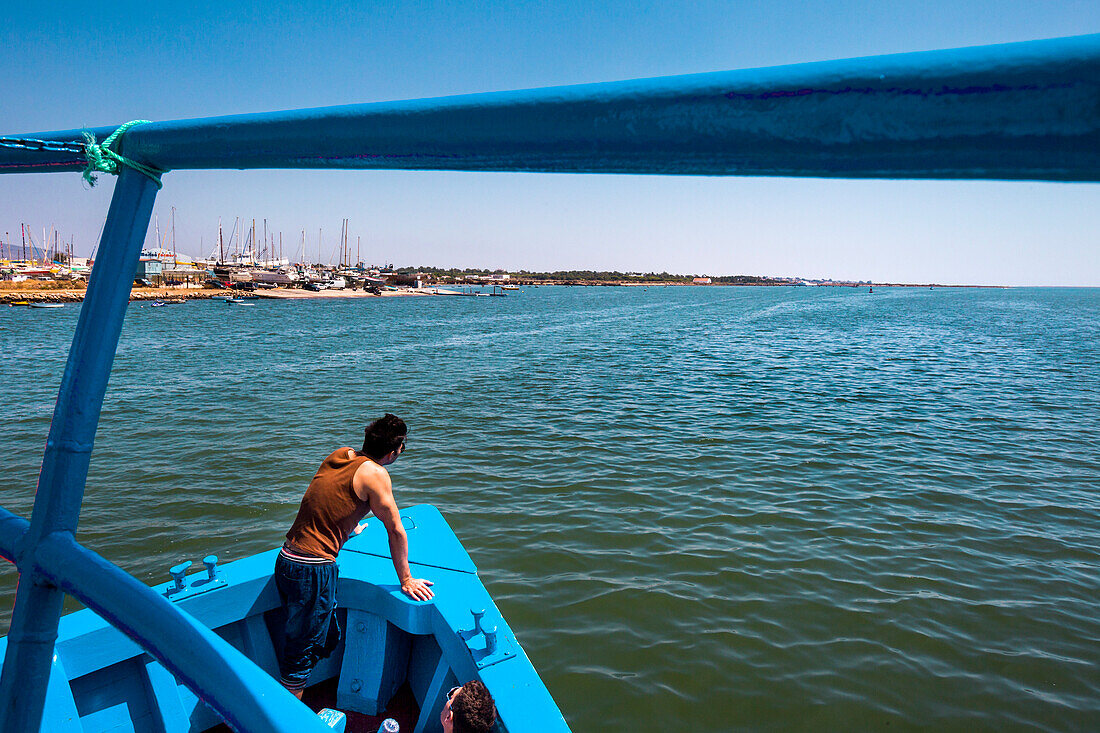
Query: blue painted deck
102,681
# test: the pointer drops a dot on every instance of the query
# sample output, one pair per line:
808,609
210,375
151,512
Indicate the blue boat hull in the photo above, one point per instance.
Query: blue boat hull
102,681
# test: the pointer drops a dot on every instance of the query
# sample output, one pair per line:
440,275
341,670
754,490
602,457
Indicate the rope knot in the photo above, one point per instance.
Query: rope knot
103,159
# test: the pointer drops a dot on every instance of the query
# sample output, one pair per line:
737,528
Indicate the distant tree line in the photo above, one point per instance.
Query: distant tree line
608,276
559,275
749,280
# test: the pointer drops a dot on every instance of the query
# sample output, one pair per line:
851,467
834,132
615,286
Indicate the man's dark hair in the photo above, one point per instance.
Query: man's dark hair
384,435
473,708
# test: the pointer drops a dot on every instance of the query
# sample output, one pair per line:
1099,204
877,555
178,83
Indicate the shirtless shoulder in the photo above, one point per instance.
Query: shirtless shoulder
371,479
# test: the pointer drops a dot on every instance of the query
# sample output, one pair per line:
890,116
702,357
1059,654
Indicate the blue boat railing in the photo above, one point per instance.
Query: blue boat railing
1024,111
245,696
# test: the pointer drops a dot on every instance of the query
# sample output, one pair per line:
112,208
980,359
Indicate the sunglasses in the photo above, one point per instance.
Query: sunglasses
451,693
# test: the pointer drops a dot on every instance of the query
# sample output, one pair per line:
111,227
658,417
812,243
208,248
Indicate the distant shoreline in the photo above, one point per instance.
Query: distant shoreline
8,296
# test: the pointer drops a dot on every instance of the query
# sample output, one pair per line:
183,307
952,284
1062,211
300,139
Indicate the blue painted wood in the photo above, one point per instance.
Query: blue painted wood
423,659
116,697
256,644
251,592
443,679
1011,111
523,702
199,715
63,717
29,653
243,695
115,718
364,648
90,643
431,541
375,663
165,694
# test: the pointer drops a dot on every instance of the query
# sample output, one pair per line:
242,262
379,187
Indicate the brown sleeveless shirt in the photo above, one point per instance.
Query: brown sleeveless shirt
330,509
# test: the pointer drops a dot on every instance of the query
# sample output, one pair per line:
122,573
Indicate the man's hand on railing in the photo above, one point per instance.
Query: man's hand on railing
417,589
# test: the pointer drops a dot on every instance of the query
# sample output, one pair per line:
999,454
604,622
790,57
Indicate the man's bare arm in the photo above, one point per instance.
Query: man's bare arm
379,494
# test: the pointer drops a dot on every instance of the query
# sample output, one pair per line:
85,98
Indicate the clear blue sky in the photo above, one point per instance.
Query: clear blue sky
67,66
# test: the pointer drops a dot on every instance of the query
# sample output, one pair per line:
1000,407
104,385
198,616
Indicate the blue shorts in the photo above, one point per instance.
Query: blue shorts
308,594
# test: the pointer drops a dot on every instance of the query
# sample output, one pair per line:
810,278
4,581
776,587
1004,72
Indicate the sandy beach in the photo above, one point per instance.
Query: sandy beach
73,295
298,294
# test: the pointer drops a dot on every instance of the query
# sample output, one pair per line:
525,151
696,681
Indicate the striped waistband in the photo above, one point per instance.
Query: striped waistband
299,556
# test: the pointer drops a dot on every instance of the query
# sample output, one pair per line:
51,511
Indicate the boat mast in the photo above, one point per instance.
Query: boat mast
221,243
343,243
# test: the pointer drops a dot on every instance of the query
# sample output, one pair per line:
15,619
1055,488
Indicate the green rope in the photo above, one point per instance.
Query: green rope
102,159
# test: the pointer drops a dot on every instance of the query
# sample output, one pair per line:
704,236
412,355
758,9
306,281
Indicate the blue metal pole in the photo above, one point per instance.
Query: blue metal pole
1014,111
245,696
68,451
12,529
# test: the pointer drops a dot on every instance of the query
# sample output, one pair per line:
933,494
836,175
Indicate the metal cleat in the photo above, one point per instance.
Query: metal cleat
178,573
483,641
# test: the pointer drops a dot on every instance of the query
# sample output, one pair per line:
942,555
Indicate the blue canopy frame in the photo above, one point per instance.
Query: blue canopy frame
1024,111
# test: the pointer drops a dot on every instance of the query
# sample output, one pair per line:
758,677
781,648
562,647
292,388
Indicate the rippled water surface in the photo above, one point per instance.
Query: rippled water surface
700,509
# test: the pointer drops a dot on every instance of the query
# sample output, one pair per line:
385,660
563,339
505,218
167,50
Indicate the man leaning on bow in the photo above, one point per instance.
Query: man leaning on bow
348,484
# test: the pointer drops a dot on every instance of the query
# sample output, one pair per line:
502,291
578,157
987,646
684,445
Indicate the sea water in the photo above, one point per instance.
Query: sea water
719,508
